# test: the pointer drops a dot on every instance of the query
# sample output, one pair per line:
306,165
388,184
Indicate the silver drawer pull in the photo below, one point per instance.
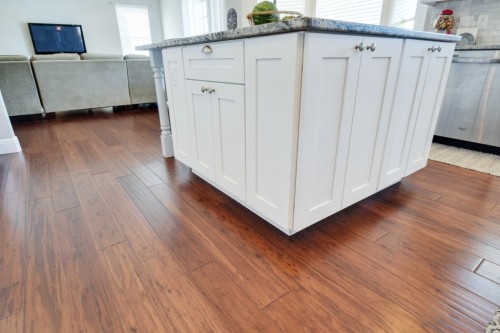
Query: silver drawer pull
434,49
207,49
361,46
372,47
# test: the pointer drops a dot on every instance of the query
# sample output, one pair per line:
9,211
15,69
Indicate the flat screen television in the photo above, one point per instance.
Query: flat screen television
57,38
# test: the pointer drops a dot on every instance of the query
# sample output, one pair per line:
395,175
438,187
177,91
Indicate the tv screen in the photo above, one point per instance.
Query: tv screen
57,38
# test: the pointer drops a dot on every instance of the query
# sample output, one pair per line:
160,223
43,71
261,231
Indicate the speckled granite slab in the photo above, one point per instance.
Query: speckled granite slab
477,47
304,24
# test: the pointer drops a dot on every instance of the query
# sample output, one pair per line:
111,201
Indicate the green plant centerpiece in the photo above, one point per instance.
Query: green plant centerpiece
265,6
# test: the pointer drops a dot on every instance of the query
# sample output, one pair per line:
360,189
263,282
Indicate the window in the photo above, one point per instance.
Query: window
402,14
362,11
293,5
396,13
133,23
201,16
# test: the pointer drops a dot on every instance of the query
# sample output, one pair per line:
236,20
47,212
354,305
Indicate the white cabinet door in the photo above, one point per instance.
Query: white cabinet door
330,73
404,112
201,129
178,111
376,84
272,92
432,96
228,111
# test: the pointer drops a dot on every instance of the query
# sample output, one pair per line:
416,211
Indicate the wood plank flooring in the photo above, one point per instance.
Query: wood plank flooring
99,233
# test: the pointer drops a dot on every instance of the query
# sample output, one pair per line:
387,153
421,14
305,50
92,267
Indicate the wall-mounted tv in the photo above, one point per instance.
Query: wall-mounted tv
57,38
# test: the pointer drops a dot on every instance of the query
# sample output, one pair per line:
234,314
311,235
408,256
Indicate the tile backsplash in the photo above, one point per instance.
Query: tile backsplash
471,13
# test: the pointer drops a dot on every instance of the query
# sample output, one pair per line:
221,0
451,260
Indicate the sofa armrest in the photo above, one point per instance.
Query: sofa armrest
141,81
19,88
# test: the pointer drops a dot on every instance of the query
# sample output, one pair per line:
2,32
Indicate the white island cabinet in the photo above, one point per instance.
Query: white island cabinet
347,92
218,133
422,79
213,105
299,125
272,73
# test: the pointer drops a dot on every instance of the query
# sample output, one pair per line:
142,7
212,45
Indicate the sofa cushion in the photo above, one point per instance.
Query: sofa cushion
55,56
100,56
135,56
13,58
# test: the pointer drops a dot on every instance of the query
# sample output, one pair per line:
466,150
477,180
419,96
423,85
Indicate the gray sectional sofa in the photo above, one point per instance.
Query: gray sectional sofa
72,82
18,86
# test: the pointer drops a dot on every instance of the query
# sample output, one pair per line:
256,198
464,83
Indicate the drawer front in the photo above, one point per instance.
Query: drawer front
221,62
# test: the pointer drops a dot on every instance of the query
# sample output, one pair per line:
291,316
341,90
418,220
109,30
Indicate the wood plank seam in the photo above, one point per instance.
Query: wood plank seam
478,265
263,309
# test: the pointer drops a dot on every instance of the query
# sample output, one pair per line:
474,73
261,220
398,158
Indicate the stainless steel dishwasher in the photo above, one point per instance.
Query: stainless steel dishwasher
471,105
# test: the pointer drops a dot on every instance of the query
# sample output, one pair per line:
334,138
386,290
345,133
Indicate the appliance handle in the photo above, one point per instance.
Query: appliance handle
476,60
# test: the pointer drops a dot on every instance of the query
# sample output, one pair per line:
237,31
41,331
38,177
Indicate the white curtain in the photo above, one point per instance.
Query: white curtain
201,16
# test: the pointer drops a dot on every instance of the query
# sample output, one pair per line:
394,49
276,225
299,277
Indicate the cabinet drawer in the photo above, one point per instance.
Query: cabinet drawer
221,62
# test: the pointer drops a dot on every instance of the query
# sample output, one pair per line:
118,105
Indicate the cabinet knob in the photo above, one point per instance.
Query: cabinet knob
210,90
361,46
439,49
434,49
203,89
372,47
207,49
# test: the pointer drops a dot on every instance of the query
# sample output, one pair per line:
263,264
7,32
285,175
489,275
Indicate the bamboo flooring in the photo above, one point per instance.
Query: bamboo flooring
99,233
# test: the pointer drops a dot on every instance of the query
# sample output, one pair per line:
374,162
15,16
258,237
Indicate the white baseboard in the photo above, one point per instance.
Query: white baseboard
8,146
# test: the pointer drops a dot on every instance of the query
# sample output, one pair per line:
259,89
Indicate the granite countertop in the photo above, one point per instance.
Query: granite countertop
476,47
303,24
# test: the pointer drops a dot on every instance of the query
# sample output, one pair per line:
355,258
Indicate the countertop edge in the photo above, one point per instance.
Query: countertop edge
303,24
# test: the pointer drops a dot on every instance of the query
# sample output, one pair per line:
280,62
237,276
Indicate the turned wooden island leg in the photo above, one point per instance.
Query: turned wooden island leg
161,95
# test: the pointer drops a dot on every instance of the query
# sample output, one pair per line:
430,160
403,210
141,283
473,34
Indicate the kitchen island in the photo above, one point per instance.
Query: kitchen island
297,120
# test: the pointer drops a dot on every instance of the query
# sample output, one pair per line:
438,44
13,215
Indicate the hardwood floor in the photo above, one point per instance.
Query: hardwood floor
99,233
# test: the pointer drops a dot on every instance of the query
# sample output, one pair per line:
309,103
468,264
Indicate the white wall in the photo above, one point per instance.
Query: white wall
247,7
171,15
237,5
420,16
6,131
8,141
97,17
